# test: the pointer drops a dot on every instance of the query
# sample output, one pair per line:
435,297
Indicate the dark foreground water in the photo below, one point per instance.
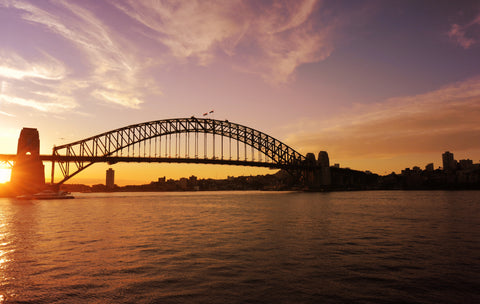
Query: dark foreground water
242,247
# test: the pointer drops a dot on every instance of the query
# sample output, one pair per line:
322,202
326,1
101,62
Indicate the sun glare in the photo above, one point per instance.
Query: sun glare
4,175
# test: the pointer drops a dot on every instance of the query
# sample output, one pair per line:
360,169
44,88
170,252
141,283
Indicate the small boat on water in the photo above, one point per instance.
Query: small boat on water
47,194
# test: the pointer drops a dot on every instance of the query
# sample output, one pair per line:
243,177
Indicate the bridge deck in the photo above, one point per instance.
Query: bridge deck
130,159
8,157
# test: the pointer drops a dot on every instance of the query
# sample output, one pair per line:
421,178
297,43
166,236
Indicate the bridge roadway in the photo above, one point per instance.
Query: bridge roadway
137,159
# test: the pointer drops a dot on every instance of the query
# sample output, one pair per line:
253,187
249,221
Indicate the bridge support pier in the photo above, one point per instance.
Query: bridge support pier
317,175
28,172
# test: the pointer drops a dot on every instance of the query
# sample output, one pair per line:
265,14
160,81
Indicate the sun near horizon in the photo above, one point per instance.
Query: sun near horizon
5,175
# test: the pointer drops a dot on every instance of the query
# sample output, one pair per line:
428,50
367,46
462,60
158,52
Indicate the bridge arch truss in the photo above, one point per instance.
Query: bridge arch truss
178,140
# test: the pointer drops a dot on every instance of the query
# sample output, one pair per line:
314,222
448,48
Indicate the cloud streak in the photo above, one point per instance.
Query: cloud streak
50,106
113,74
6,114
38,85
465,35
187,28
440,120
15,67
270,39
267,38
287,38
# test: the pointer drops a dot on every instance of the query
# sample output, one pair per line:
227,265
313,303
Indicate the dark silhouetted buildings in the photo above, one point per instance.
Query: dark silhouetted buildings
320,176
462,174
449,163
110,179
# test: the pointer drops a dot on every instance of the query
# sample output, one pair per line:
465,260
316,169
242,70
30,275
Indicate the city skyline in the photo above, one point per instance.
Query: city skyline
379,86
454,175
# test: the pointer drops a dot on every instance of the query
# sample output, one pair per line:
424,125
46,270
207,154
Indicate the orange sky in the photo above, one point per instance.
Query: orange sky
380,86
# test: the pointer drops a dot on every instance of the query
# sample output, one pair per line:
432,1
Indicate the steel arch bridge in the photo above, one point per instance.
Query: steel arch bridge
178,140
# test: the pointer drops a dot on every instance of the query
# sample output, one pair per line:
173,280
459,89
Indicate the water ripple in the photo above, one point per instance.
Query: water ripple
243,247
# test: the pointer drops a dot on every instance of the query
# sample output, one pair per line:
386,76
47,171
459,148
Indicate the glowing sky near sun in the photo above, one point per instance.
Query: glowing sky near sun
380,85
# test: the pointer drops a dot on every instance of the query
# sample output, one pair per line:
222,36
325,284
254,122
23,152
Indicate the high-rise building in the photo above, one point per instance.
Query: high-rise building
110,180
449,163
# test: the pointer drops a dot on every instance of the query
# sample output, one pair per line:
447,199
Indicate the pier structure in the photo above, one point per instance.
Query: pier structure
28,171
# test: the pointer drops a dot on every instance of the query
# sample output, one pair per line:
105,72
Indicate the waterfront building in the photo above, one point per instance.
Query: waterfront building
449,163
465,164
110,179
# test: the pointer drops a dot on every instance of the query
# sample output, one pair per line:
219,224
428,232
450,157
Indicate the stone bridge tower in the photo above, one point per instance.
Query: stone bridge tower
28,172
317,176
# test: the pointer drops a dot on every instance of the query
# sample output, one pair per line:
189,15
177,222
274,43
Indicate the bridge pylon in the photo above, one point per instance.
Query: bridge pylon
316,172
28,172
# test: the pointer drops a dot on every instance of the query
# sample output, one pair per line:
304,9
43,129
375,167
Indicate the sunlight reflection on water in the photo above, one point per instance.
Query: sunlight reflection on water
236,247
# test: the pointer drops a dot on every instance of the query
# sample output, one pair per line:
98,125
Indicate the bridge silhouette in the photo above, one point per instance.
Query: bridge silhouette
177,140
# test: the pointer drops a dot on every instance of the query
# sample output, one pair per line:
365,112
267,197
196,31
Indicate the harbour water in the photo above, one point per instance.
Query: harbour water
242,247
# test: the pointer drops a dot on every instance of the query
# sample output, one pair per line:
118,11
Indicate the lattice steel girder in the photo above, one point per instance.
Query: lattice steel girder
87,151
6,163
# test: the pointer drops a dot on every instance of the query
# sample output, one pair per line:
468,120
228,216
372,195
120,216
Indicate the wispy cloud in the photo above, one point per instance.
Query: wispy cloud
465,35
118,97
41,96
3,86
113,67
436,121
286,38
267,38
50,106
188,28
15,67
39,85
270,39
6,114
